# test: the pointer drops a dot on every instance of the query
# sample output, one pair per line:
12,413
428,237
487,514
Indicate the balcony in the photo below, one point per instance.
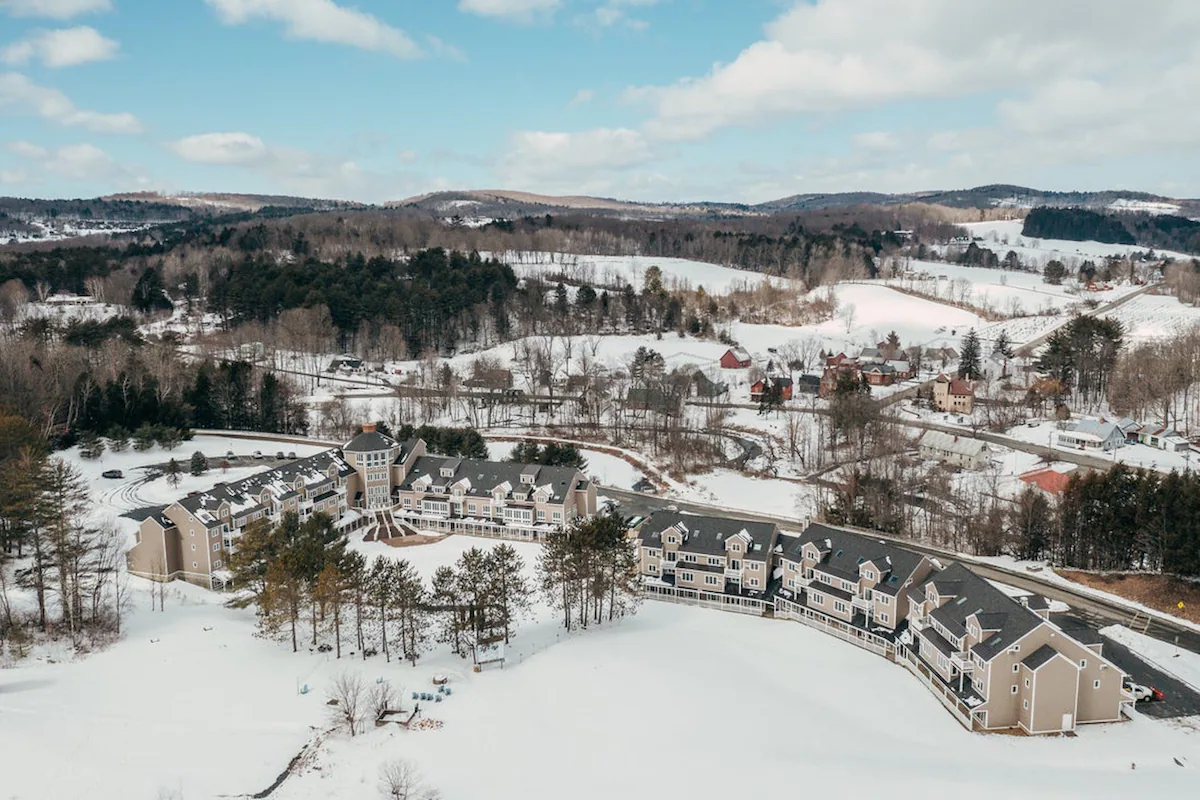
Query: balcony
861,604
962,662
918,623
733,574
667,566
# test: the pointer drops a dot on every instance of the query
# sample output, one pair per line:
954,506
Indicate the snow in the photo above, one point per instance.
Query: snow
608,469
618,270
1183,665
733,491
1004,235
1144,206
1137,455
1153,316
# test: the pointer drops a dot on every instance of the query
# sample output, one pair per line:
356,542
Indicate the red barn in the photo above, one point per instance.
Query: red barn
759,387
735,358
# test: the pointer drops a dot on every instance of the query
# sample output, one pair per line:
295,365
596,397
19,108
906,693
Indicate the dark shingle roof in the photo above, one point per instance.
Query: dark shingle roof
369,442
708,534
1039,657
243,495
848,550
974,595
484,476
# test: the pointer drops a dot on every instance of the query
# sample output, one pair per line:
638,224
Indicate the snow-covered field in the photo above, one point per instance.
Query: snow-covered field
678,273
1004,235
1155,317
191,702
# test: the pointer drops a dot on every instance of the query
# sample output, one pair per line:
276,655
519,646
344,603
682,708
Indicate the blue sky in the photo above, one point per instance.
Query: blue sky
741,100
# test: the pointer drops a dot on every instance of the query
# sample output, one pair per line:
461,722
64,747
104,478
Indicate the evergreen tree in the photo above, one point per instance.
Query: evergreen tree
118,438
1031,523
91,446
174,473
510,593
1003,345
969,358
1054,272
144,437
149,293
199,463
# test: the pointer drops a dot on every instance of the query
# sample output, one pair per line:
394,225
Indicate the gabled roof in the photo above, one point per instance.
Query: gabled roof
482,477
1097,430
1040,657
972,595
279,483
369,442
958,386
949,443
847,550
739,353
703,534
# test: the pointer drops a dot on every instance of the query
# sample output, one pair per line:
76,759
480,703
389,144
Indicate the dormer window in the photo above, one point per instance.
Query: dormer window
671,540
527,479
447,472
869,574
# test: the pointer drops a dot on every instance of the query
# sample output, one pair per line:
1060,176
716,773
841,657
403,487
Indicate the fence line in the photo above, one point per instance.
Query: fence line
786,609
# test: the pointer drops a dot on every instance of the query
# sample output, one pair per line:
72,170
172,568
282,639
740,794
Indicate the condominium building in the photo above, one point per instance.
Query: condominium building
710,555
372,481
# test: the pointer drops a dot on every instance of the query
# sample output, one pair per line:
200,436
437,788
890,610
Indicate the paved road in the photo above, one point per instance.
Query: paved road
1034,344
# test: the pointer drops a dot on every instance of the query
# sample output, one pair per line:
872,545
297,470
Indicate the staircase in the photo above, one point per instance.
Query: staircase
383,528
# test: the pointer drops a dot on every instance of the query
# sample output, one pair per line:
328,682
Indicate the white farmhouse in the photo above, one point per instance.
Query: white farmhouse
961,451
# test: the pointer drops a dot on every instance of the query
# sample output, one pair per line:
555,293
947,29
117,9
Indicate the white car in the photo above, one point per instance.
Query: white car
1139,692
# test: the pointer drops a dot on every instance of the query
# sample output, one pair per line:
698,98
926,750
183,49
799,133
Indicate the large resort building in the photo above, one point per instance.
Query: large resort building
996,662
374,482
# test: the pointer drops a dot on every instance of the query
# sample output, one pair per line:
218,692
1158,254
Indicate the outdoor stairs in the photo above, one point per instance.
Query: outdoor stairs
384,527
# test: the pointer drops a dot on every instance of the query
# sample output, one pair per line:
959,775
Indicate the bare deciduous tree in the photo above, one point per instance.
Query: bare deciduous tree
346,695
400,780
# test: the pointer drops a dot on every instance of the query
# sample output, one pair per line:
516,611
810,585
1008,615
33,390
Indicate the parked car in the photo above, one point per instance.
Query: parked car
291,454
258,455
230,455
279,456
1143,694
112,473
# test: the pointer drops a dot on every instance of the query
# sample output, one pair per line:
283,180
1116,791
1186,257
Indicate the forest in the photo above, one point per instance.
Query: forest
1155,231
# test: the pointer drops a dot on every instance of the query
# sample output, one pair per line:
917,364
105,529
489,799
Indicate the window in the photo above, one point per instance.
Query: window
714,561
689,557
819,599
1016,667
839,606
883,617
685,576
1014,689
753,582
1027,683
1026,704
1095,684
791,583
194,565
670,540
869,575
558,516
217,564
711,580
652,568
1083,663
193,548
216,547
470,508
541,515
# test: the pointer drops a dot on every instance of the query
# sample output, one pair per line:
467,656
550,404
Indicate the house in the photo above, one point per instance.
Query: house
942,355
902,369
736,358
700,557
1052,480
961,451
1005,659
808,384
1158,436
761,386
344,364
850,576
835,367
370,478
871,355
953,395
706,388
879,374
494,379
1090,434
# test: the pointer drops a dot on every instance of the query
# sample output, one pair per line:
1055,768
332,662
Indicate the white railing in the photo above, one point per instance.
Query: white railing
861,603
957,708
962,662
699,597
733,574
786,609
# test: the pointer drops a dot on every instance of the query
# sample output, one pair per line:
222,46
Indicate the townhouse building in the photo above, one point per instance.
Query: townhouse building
997,662
1013,666
850,576
710,557
373,480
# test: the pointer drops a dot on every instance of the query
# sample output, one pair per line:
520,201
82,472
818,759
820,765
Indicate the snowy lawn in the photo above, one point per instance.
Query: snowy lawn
1004,235
678,273
737,492
1154,316
1135,455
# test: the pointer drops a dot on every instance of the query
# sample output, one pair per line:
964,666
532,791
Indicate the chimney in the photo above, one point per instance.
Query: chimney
368,427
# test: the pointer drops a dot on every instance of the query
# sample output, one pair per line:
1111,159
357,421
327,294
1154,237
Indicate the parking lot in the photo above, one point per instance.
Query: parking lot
1180,699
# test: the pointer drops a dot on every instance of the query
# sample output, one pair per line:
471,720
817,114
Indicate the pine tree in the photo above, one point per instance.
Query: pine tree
411,599
91,446
1003,345
199,463
118,438
447,597
969,359
144,438
173,472
510,593
381,589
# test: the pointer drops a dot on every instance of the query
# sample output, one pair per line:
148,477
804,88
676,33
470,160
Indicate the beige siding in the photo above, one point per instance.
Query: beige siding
1050,695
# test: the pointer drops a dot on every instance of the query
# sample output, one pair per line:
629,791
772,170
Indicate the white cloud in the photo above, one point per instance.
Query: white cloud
876,140
324,21
512,10
582,97
581,161
220,148
62,48
611,13
76,162
842,54
54,9
19,93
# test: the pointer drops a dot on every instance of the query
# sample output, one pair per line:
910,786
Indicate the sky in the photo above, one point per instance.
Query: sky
654,100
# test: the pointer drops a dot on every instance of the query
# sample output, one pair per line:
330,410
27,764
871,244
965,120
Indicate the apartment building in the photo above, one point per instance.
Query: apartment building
713,555
1010,663
370,476
192,538
850,576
